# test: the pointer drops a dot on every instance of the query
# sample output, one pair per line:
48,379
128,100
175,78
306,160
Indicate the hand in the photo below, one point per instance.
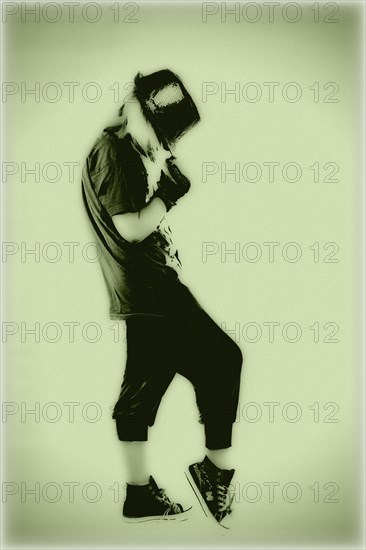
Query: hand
172,185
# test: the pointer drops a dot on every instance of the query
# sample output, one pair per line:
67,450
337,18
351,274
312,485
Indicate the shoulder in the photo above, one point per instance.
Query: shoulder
107,148
101,154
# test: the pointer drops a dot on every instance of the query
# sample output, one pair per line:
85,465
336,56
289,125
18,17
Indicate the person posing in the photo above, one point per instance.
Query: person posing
130,182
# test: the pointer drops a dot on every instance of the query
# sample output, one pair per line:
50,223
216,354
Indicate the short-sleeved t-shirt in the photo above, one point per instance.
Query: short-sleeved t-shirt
141,278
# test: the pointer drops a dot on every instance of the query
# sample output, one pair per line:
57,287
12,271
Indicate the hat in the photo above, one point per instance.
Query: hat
166,104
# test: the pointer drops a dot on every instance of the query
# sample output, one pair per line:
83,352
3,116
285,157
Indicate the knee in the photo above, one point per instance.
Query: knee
240,357
236,357
228,354
228,361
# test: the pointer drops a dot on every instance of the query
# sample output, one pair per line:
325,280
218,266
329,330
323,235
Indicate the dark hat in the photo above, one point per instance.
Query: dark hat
166,104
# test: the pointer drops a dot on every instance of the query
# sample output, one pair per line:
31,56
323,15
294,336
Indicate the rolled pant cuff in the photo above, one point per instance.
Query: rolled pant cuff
131,431
218,435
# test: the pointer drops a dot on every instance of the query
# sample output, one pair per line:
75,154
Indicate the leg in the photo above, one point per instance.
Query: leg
212,361
134,454
147,376
220,457
213,364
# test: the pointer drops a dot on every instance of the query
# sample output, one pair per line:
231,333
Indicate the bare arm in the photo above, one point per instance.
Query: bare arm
136,226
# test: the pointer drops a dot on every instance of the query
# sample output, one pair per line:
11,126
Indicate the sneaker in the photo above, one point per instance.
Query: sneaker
211,487
150,503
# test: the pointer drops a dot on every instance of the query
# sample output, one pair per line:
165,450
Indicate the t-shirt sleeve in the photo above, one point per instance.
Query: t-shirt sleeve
115,184
113,192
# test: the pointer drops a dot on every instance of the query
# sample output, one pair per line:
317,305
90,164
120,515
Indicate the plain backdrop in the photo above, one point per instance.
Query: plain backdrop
296,440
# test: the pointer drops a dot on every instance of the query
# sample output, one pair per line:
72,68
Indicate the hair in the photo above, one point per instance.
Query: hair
134,99
135,122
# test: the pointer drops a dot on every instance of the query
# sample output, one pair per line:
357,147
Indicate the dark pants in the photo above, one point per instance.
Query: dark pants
192,345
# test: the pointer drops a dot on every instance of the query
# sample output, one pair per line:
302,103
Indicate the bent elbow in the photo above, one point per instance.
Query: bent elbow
131,238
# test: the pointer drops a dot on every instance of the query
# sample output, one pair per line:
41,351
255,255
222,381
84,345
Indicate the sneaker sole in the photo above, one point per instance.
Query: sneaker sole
183,516
201,500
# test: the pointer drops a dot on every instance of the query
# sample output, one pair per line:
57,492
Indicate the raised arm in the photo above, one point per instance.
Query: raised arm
136,226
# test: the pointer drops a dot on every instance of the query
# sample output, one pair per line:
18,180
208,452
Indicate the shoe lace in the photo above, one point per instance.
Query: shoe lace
223,498
171,506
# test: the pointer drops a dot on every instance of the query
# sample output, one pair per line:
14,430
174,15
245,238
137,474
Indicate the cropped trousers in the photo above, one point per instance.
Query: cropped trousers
192,345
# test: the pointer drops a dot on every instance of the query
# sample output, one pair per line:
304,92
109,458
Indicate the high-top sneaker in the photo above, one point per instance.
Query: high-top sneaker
211,486
150,503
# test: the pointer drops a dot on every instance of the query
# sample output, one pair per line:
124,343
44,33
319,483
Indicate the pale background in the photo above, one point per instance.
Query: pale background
303,452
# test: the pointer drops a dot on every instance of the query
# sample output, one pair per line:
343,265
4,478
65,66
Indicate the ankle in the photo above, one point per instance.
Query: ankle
220,459
139,481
